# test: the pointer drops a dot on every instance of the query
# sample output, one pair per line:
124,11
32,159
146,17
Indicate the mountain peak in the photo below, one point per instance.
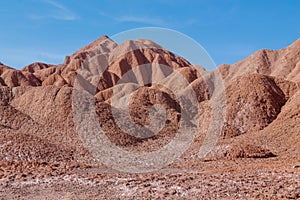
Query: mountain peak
94,44
35,67
295,44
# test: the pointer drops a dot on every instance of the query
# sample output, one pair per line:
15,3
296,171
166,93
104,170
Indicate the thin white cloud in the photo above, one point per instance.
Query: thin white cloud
144,20
60,12
136,19
55,4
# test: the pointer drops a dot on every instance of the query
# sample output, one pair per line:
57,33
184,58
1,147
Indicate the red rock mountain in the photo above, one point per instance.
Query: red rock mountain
262,106
283,63
41,154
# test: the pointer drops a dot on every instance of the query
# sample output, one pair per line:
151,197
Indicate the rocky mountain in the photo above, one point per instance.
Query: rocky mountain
283,63
256,88
37,118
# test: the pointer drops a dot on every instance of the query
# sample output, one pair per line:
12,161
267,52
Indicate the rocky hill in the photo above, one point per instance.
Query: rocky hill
37,117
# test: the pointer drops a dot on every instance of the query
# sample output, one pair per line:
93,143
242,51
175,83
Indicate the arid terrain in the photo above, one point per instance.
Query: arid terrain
257,155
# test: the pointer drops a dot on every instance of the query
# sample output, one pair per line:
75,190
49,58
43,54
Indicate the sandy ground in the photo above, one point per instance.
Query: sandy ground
270,178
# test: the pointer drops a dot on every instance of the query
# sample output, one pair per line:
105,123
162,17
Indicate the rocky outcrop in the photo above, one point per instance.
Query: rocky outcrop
253,102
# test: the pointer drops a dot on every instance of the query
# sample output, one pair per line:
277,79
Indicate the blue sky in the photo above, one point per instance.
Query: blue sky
47,30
